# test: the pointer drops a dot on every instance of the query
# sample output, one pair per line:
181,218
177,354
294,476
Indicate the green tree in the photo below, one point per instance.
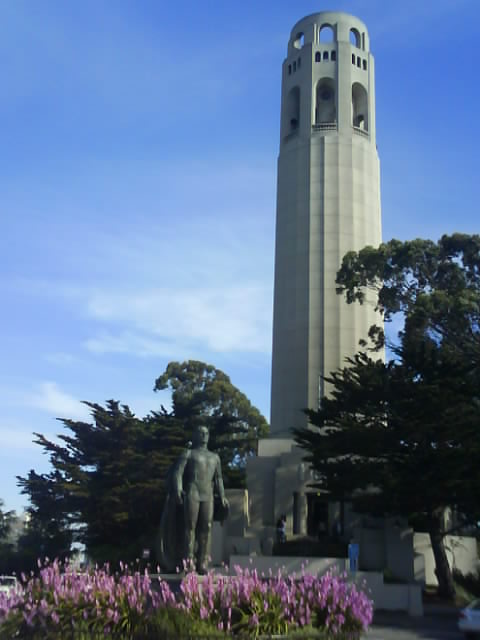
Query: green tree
108,482
47,529
403,437
7,519
203,394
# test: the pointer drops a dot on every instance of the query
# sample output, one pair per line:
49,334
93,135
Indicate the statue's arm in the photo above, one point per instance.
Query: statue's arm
219,481
177,475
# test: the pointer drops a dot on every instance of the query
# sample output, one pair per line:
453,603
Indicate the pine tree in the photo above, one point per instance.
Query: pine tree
403,437
108,483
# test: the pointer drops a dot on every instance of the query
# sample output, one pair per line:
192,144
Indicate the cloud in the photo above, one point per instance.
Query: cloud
52,399
168,321
128,342
197,283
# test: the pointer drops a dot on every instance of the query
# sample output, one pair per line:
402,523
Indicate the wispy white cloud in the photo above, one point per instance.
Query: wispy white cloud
168,321
193,284
49,397
128,342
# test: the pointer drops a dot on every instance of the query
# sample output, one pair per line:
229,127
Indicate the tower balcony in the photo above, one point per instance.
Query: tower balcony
361,132
325,126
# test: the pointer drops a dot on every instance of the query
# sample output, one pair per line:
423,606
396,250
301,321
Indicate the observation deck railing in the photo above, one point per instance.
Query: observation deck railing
325,126
361,132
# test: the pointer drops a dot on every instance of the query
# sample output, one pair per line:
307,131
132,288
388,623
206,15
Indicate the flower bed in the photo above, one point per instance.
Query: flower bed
131,605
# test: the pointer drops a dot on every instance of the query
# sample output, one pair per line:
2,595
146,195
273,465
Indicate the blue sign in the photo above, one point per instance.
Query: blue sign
353,553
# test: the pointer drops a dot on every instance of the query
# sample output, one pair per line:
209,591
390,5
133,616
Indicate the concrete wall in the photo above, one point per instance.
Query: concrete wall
217,548
261,490
461,553
399,554
238,515
390,597
371,548
272,478
287,565
387,546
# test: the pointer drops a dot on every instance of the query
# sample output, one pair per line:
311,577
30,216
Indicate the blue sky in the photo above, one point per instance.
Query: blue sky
137,182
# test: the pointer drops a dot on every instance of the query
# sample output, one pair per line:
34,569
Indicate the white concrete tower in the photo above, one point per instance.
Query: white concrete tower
328,203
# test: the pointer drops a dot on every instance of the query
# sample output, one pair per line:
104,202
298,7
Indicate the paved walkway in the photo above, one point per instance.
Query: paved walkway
397,626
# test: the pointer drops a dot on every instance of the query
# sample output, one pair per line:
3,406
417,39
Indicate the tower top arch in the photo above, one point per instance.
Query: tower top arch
344,27
328,203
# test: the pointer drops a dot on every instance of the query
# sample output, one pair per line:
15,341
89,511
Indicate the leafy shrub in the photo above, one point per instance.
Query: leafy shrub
247,603
60,601
171,622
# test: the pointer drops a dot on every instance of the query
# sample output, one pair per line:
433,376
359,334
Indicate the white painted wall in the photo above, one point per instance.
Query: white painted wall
461,553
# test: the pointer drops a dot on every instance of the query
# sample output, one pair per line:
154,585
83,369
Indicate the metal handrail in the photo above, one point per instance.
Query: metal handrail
361,132
325,126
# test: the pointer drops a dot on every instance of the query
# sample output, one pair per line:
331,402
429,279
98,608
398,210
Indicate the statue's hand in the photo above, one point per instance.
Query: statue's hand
225,503
179,497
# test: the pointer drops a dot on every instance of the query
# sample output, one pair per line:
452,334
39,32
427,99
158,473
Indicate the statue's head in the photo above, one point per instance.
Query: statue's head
200,436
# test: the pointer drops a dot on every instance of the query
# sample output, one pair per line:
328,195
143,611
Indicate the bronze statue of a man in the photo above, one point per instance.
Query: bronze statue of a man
196,474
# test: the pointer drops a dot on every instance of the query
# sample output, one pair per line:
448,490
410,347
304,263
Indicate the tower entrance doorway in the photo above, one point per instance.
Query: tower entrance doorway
317,515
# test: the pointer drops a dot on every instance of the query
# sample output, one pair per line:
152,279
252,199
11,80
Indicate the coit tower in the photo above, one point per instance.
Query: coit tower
328,203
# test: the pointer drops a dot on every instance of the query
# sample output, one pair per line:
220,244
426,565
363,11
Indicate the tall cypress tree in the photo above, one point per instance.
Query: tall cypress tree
403,437
108,483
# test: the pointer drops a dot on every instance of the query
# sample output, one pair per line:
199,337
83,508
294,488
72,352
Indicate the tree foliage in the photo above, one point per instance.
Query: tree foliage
203,394
107,487
108,482
403,437
47,529
7,519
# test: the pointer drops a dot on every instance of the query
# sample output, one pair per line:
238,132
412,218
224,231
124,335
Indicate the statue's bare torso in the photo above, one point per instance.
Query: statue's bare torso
196,474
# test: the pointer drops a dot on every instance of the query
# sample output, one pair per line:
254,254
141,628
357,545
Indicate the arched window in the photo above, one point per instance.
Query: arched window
292,110
326,33
359,62
359,106
325,104
317,56
364,65
289,69
299,41
333,55
355,38
294,66
353,58
325,55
